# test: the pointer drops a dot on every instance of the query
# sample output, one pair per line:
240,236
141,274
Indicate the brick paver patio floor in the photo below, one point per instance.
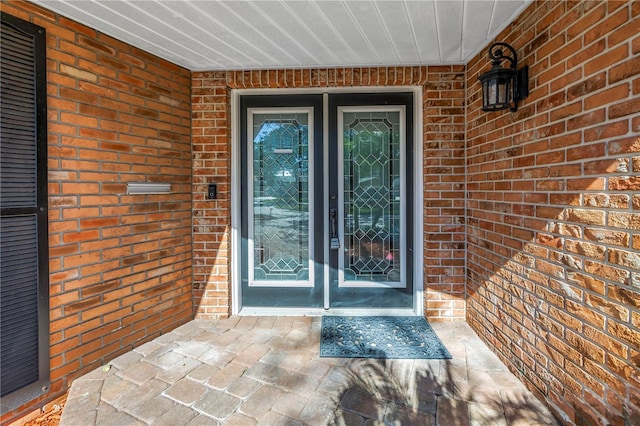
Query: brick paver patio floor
266,371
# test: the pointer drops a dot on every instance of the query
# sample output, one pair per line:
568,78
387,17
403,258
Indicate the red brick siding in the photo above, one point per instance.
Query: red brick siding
211,140
444,184
553,211
120,265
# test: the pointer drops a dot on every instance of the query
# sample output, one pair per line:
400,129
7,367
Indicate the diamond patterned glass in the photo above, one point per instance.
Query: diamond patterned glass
280,197
372,196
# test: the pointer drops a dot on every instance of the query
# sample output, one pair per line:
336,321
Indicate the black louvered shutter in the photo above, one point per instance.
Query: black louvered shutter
24,280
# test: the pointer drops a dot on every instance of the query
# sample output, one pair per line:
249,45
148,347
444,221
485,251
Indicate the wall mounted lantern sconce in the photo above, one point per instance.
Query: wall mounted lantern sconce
504,87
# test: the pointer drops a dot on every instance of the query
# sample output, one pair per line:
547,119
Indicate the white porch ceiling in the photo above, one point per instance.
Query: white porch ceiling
248,34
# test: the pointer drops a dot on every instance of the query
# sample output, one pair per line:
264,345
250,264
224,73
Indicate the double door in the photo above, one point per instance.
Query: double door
326,205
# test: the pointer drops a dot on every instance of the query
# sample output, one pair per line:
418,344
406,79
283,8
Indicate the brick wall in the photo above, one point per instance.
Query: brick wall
443,103
554,211
211,140
444,175
120,264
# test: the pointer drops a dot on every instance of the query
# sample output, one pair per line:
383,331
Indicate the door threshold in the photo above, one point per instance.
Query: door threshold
318,312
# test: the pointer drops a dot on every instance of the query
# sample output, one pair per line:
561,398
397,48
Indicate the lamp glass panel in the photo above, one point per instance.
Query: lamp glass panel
497,92
493,92
504,91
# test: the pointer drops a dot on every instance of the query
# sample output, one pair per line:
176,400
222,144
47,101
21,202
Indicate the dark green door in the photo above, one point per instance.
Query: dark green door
327,218
370,187
282,201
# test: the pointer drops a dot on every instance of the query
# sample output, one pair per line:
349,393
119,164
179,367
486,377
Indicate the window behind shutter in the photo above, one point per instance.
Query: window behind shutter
24,280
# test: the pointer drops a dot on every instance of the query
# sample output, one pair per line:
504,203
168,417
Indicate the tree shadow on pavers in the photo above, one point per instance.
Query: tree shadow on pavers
429,392
383,391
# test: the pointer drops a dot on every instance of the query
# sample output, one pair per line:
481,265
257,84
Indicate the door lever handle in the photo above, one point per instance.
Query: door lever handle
335,242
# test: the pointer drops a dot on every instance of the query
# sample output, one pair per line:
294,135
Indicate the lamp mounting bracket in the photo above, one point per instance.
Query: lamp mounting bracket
496,53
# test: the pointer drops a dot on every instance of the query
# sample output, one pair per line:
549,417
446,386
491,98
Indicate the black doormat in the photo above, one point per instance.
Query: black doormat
380,337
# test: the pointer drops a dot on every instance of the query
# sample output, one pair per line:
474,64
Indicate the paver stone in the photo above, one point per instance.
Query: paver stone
345,418
178,415
149,411
165,360
261,401
113,389
192,349
226,375
242,387
320,412
239,419
84,388
265,373
178,370
452,412
403,415
203,372
141,394
251,355
186,391
202,420
120,418
126,360
291,404
275,419
362,403
216,356
147,348
482,414
139,373
217,404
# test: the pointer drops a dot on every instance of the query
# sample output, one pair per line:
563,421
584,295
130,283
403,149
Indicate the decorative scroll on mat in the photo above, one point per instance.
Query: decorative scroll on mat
380,337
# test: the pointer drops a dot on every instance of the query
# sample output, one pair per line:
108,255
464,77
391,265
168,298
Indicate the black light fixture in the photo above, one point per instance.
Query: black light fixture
504,87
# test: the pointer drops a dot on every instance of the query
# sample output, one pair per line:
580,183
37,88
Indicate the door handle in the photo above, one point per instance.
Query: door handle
333,218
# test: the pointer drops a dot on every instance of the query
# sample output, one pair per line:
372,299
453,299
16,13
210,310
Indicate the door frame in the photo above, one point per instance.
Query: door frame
236,219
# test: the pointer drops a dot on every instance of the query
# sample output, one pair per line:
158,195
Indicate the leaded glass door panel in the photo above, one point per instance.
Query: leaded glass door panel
371,205
281,214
